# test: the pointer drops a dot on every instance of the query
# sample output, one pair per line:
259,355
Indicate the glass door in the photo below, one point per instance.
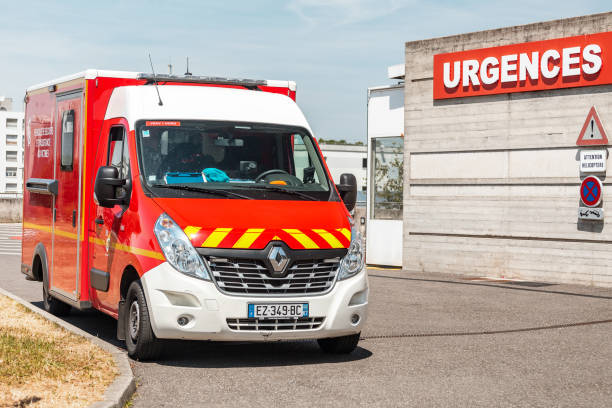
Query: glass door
385,209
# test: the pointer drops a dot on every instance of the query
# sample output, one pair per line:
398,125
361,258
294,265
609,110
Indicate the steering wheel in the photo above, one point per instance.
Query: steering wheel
268,172
285,177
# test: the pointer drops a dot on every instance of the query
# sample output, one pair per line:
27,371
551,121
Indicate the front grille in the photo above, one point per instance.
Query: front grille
250,276
256,324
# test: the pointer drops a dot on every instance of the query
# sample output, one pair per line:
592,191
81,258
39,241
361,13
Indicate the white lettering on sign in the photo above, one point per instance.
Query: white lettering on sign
448,82
590,55
46,131
593,161
508,68
43,145
528,66
43,142
512,66
489,71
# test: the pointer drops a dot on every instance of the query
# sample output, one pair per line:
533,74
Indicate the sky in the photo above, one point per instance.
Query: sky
333,49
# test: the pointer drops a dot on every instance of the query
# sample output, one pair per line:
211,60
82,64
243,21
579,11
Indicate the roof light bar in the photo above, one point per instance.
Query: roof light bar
247,83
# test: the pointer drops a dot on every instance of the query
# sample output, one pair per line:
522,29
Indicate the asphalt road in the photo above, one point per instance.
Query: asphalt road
432,340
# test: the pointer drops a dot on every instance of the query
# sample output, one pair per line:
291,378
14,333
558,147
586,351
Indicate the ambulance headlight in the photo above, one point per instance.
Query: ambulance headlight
178,249
353,261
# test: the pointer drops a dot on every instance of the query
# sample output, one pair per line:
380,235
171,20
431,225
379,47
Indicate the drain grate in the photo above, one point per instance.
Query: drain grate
529,284
507,281
485,332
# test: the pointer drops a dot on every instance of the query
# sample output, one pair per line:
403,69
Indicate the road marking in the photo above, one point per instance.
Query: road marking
10,239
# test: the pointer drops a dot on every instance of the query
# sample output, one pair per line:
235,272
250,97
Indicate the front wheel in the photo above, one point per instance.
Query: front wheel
140,341
339,345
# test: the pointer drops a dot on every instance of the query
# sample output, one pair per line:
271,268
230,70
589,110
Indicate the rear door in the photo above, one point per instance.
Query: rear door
65,258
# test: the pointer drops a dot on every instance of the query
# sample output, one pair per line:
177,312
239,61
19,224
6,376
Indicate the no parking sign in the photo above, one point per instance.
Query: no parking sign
590,191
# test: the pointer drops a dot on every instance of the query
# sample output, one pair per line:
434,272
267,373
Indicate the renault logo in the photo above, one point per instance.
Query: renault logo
278,259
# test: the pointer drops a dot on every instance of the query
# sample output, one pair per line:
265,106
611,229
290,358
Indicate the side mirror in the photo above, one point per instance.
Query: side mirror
105,188
348,190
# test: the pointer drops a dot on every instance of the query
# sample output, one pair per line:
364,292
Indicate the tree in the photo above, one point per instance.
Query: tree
339,142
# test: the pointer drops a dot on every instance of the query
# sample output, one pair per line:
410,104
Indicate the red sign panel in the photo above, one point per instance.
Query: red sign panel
590,191
162,123
561,63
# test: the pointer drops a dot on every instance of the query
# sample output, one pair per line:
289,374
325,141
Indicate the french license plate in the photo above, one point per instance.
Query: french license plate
278,310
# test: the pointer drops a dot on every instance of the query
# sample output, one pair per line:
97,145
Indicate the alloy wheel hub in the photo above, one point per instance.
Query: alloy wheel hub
134,320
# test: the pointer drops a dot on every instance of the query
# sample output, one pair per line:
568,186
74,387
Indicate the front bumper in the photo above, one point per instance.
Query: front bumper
171,295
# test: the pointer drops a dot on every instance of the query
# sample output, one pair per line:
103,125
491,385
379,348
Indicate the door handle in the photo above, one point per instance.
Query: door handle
99,221
74,218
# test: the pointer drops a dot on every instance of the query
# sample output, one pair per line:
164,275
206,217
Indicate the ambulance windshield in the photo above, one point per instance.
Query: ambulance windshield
204,158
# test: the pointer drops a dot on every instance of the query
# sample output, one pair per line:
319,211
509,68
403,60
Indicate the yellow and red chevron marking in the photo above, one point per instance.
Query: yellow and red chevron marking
257,238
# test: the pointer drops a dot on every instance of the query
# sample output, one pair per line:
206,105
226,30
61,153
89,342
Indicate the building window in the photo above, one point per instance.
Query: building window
11,156
11,172
11,140
11,123
11,186
387,175
364,163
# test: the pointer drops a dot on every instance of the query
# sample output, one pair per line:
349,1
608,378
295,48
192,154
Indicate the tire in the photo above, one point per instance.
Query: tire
140,341
339,345
52,305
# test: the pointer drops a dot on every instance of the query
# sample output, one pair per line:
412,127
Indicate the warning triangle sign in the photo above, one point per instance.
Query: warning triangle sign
592,132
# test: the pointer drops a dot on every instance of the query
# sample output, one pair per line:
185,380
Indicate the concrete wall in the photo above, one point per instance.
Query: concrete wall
11,210
493,181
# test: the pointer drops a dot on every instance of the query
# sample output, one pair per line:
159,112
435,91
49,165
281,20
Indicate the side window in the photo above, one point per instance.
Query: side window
302,161
67,141
118,154
300,156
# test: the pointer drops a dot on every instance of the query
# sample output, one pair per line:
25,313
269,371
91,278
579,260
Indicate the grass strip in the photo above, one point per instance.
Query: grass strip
44,365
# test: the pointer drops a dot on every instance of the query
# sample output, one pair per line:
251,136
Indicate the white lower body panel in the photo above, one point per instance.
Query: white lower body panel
171,295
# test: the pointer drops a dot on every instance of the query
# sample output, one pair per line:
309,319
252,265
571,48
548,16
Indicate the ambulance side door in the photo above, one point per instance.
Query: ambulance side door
108,229
64,274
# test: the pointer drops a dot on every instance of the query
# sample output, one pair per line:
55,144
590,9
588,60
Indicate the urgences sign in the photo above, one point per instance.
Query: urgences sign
561,63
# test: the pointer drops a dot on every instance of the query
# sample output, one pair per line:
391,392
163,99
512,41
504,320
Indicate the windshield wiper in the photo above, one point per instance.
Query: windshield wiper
213,191
281,190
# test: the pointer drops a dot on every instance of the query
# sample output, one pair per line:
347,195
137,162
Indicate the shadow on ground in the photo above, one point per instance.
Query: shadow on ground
93,322
207,354
254,354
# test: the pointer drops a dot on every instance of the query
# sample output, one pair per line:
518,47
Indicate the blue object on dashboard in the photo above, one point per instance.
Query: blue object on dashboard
177,177
215,175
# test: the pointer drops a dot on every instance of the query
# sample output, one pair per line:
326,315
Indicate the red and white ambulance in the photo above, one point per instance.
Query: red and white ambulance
189,207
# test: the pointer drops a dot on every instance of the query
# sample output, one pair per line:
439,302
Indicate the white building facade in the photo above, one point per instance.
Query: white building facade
385,171
347,159
11,151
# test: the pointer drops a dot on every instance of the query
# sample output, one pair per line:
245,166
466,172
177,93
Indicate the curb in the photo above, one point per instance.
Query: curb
122,388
